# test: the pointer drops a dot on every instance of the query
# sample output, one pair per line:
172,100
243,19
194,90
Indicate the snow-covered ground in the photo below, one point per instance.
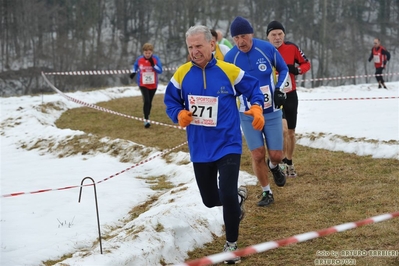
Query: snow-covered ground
41,226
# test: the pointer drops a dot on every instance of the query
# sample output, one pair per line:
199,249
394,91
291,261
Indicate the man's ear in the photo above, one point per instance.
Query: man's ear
213,44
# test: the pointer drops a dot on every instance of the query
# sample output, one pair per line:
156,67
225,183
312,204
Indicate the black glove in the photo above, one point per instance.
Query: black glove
151,61
132,75
279,98
292,69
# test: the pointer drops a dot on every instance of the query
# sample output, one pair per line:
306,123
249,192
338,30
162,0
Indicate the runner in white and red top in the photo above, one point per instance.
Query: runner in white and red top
380,56
297,64
148,66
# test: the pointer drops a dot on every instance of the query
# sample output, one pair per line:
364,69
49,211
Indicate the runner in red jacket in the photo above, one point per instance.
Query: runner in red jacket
148,66
297,64
381,56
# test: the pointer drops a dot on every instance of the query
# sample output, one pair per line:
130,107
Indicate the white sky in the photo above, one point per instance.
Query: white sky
47,225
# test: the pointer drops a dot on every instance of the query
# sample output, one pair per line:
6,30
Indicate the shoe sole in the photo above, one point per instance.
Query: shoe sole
232,262
243,198
282,184
259,205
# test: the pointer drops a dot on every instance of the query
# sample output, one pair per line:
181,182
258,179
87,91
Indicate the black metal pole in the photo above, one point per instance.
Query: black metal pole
95,198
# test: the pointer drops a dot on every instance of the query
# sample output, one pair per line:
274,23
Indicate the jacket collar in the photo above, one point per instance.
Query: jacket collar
210,64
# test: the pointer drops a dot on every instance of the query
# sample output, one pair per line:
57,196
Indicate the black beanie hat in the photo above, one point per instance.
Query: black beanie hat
274,25
240,26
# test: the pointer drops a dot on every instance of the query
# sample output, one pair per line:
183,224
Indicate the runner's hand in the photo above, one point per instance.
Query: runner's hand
279,97
185,117
151,61
292,69
257,112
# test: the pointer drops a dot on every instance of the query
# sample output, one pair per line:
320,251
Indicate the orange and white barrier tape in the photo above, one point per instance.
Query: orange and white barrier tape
216,258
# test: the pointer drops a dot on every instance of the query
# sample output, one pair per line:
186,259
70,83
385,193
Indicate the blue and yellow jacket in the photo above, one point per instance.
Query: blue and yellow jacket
260,62
210,94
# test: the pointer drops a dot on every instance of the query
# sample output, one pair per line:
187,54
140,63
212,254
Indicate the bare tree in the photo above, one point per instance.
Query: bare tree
109,34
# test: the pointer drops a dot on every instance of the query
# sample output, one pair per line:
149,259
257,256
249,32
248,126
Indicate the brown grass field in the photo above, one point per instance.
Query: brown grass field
332,188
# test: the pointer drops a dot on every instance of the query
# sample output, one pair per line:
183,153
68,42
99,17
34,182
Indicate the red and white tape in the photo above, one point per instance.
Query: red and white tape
125,71
98,72
102,108
353,98
216,258
347,77
101,181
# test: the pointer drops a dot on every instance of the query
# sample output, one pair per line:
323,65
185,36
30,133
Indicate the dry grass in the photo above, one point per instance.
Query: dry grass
332,188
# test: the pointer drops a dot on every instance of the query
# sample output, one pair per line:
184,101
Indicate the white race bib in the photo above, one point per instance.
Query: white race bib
376,59
204,109
148,77
288,84
268,96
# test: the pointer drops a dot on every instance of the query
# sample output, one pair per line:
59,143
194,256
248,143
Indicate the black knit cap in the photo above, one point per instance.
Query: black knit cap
240,26
274,25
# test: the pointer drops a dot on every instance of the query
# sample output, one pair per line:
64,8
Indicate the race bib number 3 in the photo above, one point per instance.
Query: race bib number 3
204,109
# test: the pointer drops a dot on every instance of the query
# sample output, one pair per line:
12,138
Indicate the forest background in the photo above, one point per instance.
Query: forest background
76,35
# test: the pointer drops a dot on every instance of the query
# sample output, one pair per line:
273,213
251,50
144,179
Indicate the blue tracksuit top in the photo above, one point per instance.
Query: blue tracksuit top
260,62
210,94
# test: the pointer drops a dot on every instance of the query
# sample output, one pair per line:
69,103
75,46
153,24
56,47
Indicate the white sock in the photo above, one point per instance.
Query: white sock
267,188
231,243
272,166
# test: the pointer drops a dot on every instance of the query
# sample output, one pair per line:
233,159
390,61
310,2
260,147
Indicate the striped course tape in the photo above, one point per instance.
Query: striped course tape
107,111
353,98
348,77
220,257
98,72
126,71
101,181
102,108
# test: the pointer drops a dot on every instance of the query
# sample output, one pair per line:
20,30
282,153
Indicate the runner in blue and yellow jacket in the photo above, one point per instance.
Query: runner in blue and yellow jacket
259,58
201,96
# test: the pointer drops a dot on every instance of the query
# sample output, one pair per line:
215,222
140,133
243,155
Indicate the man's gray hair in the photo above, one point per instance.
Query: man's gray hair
200,29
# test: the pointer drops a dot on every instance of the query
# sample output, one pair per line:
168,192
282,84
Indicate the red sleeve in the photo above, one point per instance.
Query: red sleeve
302,61
292,55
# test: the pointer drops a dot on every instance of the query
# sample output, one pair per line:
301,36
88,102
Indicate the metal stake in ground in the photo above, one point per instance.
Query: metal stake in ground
95,199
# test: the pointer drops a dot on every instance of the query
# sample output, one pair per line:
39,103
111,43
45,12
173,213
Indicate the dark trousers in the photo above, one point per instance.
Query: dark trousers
148,95
290,109
378,72
226,194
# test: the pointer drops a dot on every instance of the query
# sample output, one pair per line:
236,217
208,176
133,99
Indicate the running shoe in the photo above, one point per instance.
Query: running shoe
231,248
